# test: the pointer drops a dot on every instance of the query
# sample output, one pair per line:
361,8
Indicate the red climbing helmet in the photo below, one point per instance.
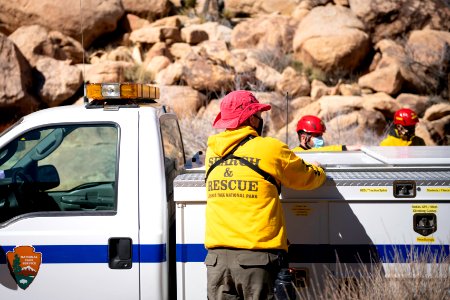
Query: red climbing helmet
405,117
311,124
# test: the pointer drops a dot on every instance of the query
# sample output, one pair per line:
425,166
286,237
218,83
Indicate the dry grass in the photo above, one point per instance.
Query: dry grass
274,57
422,276
137,73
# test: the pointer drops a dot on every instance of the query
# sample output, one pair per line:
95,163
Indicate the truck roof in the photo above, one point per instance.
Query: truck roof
79,113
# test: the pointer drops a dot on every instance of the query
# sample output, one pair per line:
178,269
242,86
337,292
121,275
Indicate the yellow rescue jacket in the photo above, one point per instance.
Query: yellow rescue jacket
322,149
243,209
393,139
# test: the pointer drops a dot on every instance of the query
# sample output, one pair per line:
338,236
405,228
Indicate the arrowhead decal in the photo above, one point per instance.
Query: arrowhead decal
24,263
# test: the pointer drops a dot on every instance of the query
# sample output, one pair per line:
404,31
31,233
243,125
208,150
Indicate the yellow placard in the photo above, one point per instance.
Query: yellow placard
373,190
425,239
424,208
301,210
439,190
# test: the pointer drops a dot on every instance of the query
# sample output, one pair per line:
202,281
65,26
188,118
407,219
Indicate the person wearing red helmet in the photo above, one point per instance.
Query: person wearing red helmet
310,130
245,231
403,131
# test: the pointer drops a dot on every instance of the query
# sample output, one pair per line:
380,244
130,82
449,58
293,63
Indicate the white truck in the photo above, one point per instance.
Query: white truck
96,202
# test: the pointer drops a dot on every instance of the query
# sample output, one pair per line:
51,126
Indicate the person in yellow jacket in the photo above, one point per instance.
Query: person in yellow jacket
403,131
310,130
245,225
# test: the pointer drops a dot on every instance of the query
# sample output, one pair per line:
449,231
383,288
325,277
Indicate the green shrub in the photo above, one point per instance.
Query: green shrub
138,74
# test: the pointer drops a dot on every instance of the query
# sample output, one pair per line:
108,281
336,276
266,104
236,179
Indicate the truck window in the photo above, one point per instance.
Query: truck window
60,168
172,143
173,151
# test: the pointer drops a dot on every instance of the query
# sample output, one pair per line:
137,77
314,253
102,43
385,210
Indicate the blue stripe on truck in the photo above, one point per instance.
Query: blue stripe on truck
156,253
346,253
191,252
85,254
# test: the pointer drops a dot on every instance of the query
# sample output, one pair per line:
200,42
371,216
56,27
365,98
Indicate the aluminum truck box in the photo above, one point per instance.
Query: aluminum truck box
379,206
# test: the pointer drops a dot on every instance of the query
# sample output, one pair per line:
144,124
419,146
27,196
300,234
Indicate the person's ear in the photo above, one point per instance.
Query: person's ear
303,138
253,121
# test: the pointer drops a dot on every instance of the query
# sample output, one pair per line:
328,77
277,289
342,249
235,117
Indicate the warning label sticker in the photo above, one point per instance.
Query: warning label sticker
301,210
439,190
373,190
424,208
425,239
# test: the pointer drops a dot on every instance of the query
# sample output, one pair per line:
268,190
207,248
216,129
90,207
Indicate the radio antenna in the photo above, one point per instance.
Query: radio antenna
287,117
84,63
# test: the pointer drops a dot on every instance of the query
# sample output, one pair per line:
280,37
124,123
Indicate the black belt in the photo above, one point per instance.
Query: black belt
274,251
282,254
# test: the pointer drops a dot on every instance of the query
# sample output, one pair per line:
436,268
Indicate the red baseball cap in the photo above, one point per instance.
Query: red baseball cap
236,107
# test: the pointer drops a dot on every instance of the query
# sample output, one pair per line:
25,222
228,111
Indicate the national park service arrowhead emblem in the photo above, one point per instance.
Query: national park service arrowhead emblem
24,263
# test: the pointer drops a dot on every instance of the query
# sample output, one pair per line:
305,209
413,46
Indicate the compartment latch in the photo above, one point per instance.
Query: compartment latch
404,189
425,224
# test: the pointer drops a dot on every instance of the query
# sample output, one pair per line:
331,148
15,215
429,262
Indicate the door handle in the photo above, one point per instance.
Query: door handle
120,253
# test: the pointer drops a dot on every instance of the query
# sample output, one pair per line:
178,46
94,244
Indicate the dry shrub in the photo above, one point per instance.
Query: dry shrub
419,275
137,73
195,132
274,57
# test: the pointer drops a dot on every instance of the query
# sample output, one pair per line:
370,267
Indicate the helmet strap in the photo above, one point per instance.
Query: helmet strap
403,133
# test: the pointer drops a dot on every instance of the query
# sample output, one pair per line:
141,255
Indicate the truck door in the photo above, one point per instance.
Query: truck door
64,233
161,159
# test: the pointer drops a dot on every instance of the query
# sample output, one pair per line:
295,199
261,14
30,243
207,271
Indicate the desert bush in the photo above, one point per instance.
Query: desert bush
248,81
137,73
310,72
416,275
195,132
274,57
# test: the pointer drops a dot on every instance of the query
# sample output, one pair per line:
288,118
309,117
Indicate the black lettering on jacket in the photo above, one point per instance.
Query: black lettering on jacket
234,162
232,185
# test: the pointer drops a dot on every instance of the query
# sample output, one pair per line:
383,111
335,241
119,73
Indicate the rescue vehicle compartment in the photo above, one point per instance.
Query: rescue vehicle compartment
356,219
379,208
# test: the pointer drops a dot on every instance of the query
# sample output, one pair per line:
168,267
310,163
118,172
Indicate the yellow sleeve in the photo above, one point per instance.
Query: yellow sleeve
386,142
301,175
394,141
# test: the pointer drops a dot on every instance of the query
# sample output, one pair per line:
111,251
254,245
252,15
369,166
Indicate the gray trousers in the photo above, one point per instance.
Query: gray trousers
242,274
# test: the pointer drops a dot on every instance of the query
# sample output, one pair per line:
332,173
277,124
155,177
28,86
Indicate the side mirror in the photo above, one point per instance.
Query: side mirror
47,177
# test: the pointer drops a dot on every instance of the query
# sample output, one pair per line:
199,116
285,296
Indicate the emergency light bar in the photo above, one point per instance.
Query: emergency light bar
105,91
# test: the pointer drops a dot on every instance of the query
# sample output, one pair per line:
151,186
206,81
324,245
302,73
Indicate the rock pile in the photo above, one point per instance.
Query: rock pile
350,62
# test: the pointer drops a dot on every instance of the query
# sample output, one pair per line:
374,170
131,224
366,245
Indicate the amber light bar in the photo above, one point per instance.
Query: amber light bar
103,91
